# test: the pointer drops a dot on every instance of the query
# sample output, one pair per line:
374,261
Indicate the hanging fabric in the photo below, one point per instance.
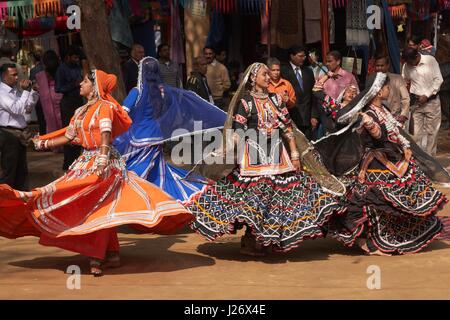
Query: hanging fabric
176,37
394,50
286,25
324,27
23,7
312,21
119,24
357,32
47,7
399,11
3,10
340,3
419,10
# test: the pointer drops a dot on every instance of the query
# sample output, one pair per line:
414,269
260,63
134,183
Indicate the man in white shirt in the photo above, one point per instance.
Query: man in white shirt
218,78
15,104
423,74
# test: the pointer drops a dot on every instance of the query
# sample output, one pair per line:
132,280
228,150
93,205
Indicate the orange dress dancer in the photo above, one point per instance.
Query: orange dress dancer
80,210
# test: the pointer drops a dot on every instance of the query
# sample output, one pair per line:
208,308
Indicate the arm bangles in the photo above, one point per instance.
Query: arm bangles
295,155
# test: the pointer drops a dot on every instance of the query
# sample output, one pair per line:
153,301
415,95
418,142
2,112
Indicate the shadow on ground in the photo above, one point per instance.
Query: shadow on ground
137,255
310,250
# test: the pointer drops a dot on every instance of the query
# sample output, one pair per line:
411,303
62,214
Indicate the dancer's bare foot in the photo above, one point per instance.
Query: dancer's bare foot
362,243
379,253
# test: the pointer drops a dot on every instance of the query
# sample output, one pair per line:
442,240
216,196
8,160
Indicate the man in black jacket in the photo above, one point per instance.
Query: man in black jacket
302,79
130,69
197,81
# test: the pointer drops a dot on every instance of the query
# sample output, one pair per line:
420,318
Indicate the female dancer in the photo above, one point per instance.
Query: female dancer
268,191
80,210
391,204
161,113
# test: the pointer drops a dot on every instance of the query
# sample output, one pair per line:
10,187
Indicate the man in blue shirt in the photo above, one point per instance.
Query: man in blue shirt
67,82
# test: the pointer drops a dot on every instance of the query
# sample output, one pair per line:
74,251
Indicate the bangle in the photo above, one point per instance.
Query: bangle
295,155
106,145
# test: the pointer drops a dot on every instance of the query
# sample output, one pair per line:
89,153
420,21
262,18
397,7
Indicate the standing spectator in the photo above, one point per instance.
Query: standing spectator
302,79
68,78
423,74
218,78
398,102
414,42
6,54
280,85
38,67
222,57
49,98
340,79
14,135
318,68
130,69
170,71
197,81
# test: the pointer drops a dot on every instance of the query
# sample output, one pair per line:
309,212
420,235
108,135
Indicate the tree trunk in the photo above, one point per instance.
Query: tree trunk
97,43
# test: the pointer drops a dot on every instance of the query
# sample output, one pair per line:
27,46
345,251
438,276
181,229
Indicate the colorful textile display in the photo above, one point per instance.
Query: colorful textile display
312,21
357,32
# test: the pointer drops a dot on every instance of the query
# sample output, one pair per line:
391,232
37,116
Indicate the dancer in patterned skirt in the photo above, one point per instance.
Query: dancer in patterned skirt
268,191
391,204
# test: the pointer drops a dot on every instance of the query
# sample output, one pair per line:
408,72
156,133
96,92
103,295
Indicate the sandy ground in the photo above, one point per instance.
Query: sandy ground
184,266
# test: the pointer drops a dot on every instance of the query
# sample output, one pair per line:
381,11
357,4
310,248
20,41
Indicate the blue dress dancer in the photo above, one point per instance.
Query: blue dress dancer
158,112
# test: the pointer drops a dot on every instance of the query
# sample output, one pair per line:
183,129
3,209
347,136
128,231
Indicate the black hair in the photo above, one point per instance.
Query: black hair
410,54
162,45
51,62
335,54
5,52
383,56
210,48
415,39
72,51
297,49
7,66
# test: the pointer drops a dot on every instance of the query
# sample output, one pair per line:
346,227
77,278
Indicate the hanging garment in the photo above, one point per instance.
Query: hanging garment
356,27
176,37
312,21
119,24
287,23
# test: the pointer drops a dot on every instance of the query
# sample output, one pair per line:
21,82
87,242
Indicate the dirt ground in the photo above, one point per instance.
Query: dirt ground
185,266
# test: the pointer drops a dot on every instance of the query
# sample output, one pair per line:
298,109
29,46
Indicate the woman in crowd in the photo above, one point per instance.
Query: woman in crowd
50,100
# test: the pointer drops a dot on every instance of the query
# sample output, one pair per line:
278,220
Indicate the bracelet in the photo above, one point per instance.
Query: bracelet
106,145
295,155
